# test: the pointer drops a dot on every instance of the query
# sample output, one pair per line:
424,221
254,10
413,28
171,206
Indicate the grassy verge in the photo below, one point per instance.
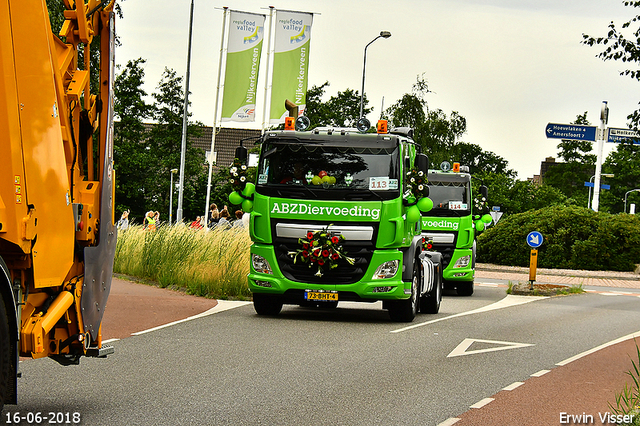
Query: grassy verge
211,263
522,288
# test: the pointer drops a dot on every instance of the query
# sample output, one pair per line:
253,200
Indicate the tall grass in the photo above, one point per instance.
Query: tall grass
212,263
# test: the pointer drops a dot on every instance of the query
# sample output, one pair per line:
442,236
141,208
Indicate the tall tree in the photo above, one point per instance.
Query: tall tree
164,145
622,44
341,110
131,161
624,163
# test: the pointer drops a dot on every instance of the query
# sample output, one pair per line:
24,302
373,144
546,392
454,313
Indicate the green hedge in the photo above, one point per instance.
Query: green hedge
574,238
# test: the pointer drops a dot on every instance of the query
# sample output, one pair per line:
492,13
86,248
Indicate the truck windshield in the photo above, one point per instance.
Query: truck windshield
327,169
449,198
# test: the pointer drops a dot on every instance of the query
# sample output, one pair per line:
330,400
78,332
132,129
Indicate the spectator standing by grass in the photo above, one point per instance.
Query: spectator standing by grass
224,219
123,223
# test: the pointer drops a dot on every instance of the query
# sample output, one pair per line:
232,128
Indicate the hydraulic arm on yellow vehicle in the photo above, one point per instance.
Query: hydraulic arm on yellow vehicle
57,232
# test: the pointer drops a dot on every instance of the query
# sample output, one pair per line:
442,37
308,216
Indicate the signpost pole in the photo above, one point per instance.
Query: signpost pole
604,115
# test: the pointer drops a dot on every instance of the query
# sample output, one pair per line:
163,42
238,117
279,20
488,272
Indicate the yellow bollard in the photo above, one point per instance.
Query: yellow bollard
533,265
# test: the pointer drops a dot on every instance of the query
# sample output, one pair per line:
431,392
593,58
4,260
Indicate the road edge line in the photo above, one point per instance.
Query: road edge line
597,348
223,305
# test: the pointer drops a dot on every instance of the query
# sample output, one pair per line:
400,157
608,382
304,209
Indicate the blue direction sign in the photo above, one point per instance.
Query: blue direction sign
534,239
602,185
622,135
571,131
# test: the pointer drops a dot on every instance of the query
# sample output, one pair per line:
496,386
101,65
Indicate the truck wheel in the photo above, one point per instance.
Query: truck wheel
406,310
5,353
266,304
464,288
430,302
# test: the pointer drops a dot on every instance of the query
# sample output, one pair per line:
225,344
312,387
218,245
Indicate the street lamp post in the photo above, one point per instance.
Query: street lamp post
383,34
173,172
625,198
591,181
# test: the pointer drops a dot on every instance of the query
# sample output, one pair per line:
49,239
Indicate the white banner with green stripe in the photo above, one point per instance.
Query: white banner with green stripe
290,62
246,33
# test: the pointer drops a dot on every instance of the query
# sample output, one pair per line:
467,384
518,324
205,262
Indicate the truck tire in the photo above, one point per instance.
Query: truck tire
266,304
464,288
406,310
5,354
430,302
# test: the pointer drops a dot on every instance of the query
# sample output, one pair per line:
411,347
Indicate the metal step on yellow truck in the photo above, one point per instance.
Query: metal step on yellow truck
57,233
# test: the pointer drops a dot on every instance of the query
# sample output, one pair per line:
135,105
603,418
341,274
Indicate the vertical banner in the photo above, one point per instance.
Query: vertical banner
290,63
246,32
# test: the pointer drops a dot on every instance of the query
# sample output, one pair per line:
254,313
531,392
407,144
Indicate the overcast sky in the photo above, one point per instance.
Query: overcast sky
508,66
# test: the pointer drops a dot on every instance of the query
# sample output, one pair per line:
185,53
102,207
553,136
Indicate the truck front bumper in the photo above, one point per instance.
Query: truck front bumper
365,290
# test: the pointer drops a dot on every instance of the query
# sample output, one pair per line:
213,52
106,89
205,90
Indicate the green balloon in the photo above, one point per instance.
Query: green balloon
248,189
413,214
247,206
235,198
479,225
411,199
487,219
425,204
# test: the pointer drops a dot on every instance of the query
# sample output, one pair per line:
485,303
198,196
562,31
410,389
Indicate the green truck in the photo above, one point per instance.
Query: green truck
453,224
334,219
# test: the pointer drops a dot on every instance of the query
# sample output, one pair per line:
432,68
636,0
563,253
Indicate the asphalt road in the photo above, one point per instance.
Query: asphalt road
349,365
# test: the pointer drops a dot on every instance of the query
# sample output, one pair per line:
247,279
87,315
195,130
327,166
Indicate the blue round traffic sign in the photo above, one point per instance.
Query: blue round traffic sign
534,239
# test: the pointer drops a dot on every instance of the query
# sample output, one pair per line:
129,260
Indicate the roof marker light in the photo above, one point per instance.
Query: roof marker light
382,126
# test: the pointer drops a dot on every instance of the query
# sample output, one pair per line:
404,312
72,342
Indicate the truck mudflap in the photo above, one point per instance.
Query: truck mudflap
430,268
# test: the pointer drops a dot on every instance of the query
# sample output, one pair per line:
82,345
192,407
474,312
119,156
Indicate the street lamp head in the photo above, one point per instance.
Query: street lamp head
608,175
174,170
385,34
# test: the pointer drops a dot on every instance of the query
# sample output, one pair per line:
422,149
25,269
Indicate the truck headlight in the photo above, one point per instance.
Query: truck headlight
386,270
260,264
463,262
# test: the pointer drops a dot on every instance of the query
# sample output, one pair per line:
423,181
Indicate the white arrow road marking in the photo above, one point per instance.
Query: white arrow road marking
510,300
461,349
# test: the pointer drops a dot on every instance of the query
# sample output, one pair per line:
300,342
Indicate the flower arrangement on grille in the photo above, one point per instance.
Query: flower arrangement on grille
480,205
321,249
417,181
427,243
238,172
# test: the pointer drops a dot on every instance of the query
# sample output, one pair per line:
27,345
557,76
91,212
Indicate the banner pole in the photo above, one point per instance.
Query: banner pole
215,119
183,148
266,78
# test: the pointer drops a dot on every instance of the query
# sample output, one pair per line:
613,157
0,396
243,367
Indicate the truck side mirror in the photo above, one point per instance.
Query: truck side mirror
422,162
484,191
241,153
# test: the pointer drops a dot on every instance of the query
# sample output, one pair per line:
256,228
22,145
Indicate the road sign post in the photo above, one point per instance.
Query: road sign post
534,239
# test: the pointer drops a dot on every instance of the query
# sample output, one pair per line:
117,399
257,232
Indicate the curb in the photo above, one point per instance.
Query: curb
608,275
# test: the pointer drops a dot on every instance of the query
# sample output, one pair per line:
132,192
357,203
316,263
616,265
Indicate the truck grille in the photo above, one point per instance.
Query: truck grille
358,245
343,274
447,253
443,242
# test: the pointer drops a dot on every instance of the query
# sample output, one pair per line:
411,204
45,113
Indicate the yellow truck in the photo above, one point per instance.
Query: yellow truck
57,232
